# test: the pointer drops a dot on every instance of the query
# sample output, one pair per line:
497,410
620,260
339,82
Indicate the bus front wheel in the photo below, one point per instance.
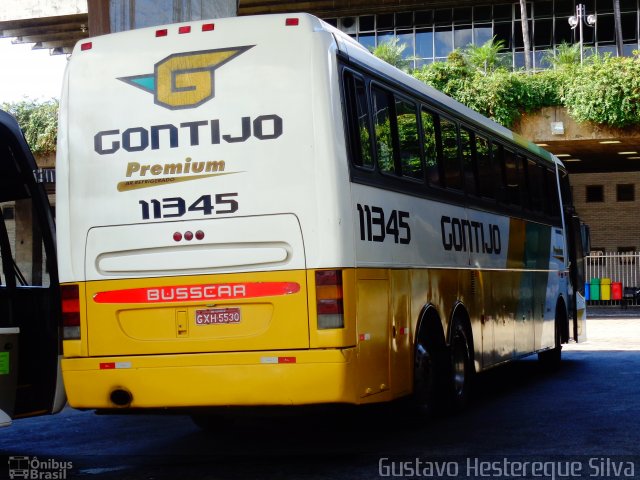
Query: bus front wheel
551,359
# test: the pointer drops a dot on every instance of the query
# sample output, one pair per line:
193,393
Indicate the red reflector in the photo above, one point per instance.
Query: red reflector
108,366
184,29
328,277
292,22
86,46
177,236
208,27
329,307
286,359
188,235
199,235
162,32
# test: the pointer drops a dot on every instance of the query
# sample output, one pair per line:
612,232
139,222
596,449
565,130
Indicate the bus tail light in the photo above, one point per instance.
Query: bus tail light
329,299
70,312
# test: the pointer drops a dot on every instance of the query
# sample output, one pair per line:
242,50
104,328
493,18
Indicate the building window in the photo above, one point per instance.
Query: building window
625,192
595,193
131,14
430,35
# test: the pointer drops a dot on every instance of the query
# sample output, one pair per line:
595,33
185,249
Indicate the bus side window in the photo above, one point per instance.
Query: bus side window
536,186
408,141
468,161
429,145
497,164
450,156
554,201
488,182
358,120
523,181
511,177
381,105
23,258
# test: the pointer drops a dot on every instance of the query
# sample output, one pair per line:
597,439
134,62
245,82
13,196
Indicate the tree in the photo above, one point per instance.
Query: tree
391,52
39,123
525,35
618,26
486,57
566,55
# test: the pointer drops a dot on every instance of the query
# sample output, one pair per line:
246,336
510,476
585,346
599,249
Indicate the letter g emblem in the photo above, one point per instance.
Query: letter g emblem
184,80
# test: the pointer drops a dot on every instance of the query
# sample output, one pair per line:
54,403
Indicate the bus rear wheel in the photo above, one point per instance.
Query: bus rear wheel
430,369
462,371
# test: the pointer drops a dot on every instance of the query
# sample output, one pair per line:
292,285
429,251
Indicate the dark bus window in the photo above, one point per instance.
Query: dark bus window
536,186
468,167
553,206
358,121
488,182
497,154
382,127
408,141
450,158
429,143
511,178
521,164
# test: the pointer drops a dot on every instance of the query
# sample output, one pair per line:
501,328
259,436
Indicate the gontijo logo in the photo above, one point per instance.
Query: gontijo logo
184,80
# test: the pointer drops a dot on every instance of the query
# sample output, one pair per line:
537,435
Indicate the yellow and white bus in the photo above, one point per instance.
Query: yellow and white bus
257,211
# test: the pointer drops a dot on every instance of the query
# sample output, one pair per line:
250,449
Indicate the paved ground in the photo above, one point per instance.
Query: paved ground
589,411
608,332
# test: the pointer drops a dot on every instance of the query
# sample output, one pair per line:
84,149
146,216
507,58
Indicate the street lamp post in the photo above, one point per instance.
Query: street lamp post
579,19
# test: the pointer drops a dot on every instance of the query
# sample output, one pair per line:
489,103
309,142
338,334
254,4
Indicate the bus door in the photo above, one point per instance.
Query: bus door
578,242
29,298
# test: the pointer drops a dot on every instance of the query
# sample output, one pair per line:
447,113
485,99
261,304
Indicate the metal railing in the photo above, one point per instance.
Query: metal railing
623,268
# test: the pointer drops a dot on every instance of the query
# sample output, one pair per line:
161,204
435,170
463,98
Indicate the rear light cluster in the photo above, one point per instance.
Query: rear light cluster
205,27
188,235
329,299
70,312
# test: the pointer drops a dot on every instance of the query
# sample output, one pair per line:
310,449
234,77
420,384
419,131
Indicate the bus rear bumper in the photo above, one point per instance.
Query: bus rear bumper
297,377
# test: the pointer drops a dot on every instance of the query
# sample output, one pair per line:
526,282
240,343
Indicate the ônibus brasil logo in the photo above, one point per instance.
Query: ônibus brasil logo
184,80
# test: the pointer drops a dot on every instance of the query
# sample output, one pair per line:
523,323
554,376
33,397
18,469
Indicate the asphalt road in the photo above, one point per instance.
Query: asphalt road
583,421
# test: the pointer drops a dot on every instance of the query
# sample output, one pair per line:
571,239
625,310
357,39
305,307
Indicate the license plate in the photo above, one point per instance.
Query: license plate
217,316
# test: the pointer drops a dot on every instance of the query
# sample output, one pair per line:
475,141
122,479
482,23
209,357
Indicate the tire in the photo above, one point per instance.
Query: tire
552,359
429,379
462,372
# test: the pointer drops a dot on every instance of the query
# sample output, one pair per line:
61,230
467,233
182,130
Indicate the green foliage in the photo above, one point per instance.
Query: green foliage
38,121
566,56
487,57
391,52
603,90
606,90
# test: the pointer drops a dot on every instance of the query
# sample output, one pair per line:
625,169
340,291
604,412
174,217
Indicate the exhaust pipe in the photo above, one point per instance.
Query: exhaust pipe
121,397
